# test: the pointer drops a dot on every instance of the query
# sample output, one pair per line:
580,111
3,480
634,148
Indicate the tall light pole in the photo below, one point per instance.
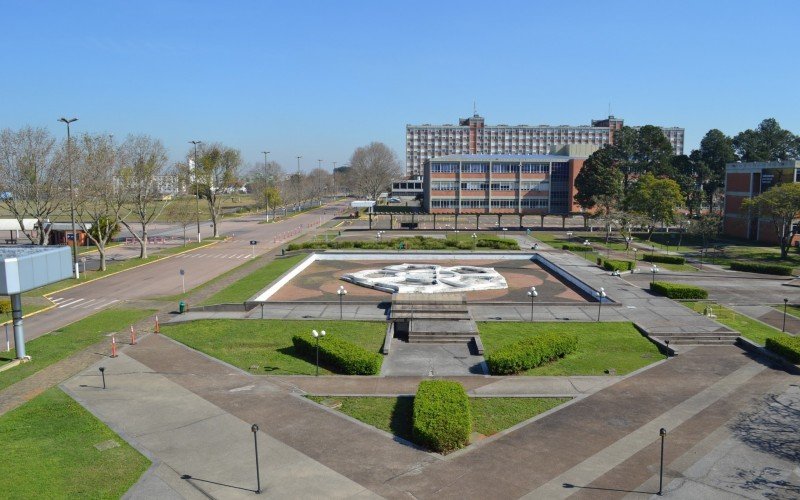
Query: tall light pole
333,180
266,186
341,292
71,197
298,165
196,188
317,336
785,303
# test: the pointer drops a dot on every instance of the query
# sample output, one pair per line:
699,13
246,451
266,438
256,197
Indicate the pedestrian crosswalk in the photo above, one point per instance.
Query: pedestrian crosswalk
193,255
82,303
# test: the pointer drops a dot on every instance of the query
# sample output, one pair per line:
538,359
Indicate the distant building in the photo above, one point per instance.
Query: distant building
503,184
747,180
407,188
472,136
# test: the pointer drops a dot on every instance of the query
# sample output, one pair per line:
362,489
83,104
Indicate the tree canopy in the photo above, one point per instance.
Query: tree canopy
780,205
768,142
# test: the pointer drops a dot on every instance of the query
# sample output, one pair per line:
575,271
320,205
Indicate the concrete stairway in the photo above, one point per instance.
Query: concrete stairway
435,318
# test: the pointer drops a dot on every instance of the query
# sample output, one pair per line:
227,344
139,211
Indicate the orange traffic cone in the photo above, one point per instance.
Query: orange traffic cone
113,347
157,329
133,336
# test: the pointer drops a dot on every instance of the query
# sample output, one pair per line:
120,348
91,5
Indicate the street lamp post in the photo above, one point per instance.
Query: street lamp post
317,336
601,295
532,293
298,165
654,270
266,186
71,197
196,188
341,292
569,236
254,428
586,247
663,434
785,303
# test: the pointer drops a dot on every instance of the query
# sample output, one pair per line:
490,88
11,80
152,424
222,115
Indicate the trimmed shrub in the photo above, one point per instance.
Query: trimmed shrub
414,242
760,267
5,306
530,353
340,355
788,347
663,259
617,265
574,247
678,290
441,416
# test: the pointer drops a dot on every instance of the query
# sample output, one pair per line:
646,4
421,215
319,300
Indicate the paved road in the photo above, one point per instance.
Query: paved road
161,278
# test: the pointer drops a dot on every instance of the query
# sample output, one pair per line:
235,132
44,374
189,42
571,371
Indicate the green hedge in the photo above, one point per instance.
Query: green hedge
441,417
340,355
616,265
788,347
759,267
663,259
575,247
678,290
530,353
410,243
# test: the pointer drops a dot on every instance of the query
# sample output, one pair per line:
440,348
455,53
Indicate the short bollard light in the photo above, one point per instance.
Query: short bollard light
317,336
254,428
655,271
103,375
663,434
601,295
532,293
341,292
785,303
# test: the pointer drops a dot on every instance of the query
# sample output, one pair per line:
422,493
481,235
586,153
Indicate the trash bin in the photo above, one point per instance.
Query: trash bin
181,307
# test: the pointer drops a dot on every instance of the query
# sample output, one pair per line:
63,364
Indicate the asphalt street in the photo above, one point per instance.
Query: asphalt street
162,277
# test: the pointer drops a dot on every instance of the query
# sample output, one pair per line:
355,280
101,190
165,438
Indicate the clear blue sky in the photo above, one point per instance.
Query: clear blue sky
319,78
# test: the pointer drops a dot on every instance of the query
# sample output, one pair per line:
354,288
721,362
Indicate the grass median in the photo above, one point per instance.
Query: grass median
394,414
754,330
603,348
54,448
265,346
63,342
241,290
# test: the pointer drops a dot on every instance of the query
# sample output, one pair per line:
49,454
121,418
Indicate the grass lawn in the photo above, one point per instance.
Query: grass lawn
268,343
62,343
793,310
248,286
113,267
394,414
754,330
28,308
614,346
50,444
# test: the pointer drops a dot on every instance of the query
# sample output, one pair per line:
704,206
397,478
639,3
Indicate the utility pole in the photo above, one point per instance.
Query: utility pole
71,197
266,186
196,188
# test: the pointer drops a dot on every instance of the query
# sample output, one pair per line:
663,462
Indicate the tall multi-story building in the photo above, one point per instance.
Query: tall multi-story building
472,136
744,181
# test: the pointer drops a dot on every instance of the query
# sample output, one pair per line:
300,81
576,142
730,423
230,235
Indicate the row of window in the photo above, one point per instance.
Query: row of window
494,186
497,168
525,203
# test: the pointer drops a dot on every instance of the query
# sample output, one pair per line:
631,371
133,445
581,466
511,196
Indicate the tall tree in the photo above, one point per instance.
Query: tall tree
768,142
216,170
374,167
716,151
599,185
143,158
656,199
684,171
639,151
781,205
182,212
102,203
33,176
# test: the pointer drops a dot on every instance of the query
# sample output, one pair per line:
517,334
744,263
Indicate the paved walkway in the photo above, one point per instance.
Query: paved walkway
605,444
434,360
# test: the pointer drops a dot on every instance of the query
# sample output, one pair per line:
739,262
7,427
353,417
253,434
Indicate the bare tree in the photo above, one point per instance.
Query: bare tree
144,159
373,169
32,178
100,202
183,212
319,183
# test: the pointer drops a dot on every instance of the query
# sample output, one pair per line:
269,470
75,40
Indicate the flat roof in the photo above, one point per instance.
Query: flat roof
517,158
753,166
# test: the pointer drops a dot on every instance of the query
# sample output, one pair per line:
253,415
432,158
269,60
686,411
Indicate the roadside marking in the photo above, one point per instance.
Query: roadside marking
68,303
